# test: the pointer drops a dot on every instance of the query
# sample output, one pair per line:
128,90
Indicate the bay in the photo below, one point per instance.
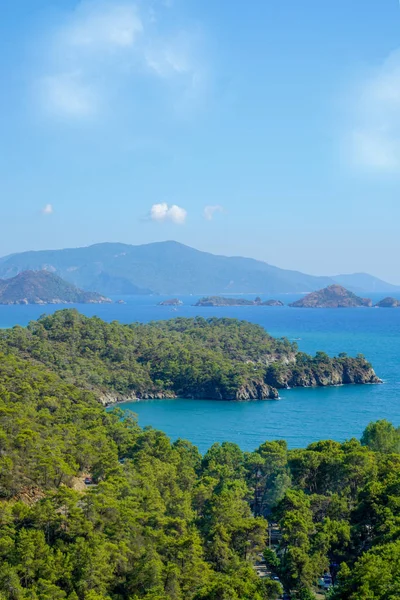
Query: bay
302,415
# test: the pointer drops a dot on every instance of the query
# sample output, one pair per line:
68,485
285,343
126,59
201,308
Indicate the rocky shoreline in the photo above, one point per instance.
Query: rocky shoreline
257,389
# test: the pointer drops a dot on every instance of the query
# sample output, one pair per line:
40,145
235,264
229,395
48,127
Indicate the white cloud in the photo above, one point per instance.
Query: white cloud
68,94
103,24
171,56
48,209
163,212
209,211
375,137
375,149
105,46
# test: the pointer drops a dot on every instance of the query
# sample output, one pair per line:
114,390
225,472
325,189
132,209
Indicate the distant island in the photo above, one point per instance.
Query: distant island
213,359
222,301
43,287
171,302
388,303
333,296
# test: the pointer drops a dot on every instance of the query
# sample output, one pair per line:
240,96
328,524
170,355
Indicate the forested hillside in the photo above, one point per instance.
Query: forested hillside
161,522
193,358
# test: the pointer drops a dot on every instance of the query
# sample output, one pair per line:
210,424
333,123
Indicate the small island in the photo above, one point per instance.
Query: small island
171,302
272,303
222,301
43,287
334,296
388,302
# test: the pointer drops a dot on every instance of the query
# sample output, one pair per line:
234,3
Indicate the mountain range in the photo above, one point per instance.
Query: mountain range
43,287
173,268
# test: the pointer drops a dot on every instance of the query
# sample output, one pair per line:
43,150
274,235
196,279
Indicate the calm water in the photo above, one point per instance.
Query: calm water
303,415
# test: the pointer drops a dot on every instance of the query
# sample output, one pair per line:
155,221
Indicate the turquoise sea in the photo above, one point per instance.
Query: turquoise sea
302,415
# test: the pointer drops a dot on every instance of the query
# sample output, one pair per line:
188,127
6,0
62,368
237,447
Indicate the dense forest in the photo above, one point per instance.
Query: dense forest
192,358
158,521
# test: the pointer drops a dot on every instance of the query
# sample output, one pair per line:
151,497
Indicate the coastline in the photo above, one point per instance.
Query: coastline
108,402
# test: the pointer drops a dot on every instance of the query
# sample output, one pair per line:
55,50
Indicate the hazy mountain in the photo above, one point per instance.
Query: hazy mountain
42,287
359,282
170,268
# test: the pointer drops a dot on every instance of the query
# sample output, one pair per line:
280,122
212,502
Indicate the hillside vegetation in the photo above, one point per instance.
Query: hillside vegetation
193,358
162,522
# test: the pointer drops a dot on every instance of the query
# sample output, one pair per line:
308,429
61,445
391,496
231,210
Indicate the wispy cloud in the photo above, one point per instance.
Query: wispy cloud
69,94
47,210
209,211
163,212
375,137
102,25
104,46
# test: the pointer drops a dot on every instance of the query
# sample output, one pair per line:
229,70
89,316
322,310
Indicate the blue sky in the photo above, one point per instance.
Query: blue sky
268,128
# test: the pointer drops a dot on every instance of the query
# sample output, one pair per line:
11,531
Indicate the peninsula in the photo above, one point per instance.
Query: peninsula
222,301
214,359
43,287
333,296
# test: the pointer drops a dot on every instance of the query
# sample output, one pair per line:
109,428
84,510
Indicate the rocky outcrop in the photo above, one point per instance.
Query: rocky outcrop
171,302
333,372
388,302
334,296
272,303
110,398
257,390
250,390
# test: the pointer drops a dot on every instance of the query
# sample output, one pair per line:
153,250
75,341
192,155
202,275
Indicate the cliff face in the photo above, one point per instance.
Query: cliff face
334,296
253,390
322,371
257,390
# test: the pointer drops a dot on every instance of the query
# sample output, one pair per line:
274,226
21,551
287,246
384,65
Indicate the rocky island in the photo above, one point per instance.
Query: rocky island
388,302
171,302
334,296
222,301
43,287
272,303
215,359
